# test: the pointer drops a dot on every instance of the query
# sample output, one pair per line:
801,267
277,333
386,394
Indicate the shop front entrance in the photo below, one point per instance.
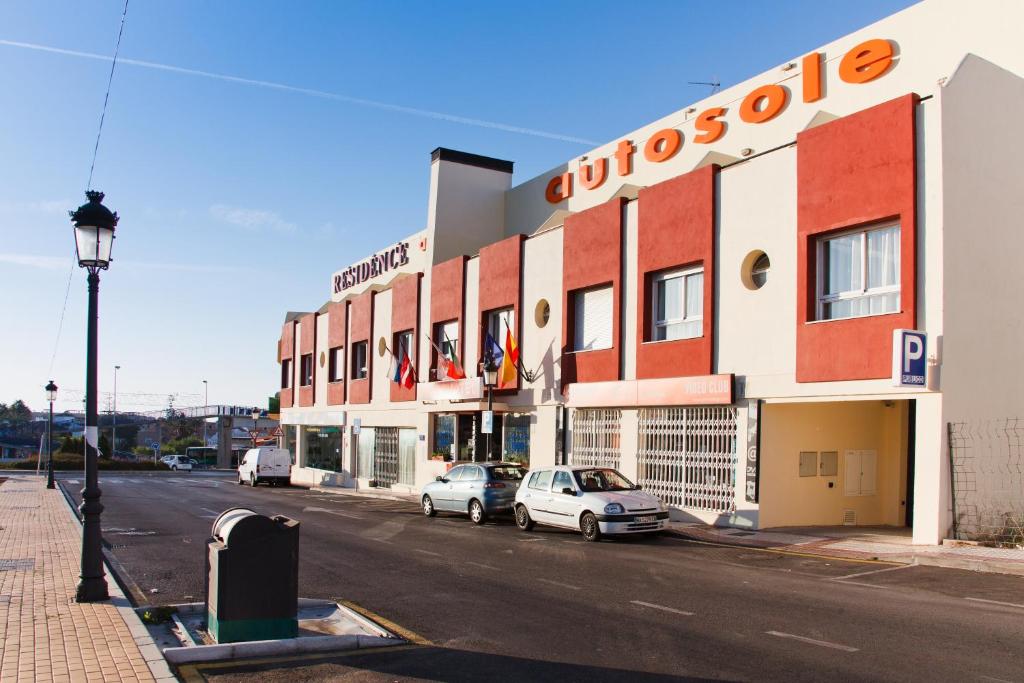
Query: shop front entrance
459,436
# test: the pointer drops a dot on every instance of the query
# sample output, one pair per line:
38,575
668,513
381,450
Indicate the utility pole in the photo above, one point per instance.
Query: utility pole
113,432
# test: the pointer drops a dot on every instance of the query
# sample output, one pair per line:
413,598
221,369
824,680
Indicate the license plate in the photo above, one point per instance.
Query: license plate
645,519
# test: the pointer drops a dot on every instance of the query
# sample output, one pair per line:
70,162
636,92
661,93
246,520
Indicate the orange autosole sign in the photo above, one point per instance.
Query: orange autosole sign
863,63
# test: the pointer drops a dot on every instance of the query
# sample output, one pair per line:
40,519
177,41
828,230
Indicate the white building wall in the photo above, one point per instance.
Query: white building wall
320,362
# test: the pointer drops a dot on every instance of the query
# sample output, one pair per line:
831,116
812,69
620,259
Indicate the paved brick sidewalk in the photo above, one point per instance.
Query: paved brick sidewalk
46,635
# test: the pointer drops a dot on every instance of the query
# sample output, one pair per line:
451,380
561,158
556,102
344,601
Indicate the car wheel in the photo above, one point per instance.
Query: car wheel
252,480
174,468
476,512
588,525
240,480
523,520
428,507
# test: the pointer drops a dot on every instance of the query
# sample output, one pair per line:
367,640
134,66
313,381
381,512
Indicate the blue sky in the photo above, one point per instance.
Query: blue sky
239,200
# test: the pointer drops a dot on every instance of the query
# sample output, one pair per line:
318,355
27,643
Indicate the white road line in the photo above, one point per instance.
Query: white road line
214,512
873,571
482,566
812,641
530,540
661,607
865,585
995,602
427,552
560,584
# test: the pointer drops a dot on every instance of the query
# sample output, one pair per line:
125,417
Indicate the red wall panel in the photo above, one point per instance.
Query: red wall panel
447,296
676,227
361,329
854,172
501,267
591,256
307,345
405,315
286,351
337,329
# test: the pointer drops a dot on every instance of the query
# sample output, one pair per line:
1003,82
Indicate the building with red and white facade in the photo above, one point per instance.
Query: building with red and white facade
709,303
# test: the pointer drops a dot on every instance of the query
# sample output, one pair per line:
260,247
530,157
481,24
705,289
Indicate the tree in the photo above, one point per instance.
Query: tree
16,414
104,446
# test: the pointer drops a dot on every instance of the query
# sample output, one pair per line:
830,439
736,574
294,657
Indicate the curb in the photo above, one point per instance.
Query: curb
406,498
140,634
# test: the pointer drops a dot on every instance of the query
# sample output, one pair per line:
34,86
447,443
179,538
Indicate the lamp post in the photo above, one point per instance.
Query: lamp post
255,431
94,236
113,431
51,396
206,409
490,380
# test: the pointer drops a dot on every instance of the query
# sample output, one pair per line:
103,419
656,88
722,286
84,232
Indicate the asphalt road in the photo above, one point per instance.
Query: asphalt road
500,604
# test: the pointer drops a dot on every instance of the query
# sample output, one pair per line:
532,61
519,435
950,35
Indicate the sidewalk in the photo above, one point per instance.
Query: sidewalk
46,635
861,543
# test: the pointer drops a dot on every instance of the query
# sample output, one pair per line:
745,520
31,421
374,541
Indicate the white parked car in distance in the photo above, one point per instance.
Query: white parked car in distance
594,500
179,462
266,464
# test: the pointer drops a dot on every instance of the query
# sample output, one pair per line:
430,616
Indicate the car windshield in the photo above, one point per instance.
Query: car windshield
507,473
602,479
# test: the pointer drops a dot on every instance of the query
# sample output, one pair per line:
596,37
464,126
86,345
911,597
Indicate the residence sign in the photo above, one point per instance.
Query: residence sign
389,259
865,62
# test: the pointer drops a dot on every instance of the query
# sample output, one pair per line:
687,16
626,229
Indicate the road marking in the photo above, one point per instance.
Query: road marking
482,566
865,585
530,540
560,584
873,571
339,513
996,602
661,607
812,641
405,633
780,552
427,552
213,512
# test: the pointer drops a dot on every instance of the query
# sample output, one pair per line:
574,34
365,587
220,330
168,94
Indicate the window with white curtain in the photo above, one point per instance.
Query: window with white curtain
593,319
677,304
859,273
500,321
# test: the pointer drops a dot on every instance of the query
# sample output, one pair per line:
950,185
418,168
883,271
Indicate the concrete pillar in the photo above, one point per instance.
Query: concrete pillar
933,508
629,442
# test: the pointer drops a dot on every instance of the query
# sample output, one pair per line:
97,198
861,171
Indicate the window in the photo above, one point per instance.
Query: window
359,360
336,367
286,373
563,480
541,481
498,322
446,337
593,319
306,370
677,304
404,347
455,474
859,273
322,446
759,271
471,474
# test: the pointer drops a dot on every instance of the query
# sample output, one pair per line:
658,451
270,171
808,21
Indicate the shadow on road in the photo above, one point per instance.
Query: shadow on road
430,664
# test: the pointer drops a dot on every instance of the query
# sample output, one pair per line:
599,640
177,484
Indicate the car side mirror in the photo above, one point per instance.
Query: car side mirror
440,478
568,491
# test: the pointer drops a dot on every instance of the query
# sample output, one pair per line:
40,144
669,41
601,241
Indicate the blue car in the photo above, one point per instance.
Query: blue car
476,489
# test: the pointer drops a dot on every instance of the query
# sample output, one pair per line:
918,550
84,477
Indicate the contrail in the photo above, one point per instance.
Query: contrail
413,111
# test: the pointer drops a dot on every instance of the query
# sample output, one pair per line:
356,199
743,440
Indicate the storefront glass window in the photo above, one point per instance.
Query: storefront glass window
444,437
367,437
322,448
516,441
407,456
288,433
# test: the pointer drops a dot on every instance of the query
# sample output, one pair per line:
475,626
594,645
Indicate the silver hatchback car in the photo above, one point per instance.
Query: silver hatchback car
478,489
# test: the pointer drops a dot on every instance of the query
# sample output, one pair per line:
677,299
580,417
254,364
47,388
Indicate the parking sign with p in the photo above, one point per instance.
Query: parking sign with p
909,358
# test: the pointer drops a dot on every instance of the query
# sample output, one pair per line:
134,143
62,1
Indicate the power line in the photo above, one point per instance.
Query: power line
106,98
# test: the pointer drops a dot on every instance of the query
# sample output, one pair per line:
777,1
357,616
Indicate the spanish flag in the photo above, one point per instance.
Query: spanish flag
509,362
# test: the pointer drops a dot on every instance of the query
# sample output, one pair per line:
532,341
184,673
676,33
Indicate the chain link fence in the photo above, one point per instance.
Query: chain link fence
987,466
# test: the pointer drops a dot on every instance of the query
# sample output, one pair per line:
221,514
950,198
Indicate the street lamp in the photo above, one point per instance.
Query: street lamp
206,410
51,396
490,381
255,431
113,432
94,237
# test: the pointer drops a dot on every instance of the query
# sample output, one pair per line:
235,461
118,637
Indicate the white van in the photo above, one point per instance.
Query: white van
266,464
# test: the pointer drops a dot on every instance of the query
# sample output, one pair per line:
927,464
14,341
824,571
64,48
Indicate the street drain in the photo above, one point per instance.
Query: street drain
21,565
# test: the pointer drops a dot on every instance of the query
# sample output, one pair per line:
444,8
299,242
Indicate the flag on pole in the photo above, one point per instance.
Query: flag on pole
454,370
442,361
492,351
510,361
407,372
395,369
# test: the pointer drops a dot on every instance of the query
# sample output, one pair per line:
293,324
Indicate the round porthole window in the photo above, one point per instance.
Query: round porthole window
542,313
382,347
755,269
323,358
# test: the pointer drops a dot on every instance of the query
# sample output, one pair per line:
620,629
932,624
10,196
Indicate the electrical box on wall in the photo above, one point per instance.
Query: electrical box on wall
829,466
808,463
